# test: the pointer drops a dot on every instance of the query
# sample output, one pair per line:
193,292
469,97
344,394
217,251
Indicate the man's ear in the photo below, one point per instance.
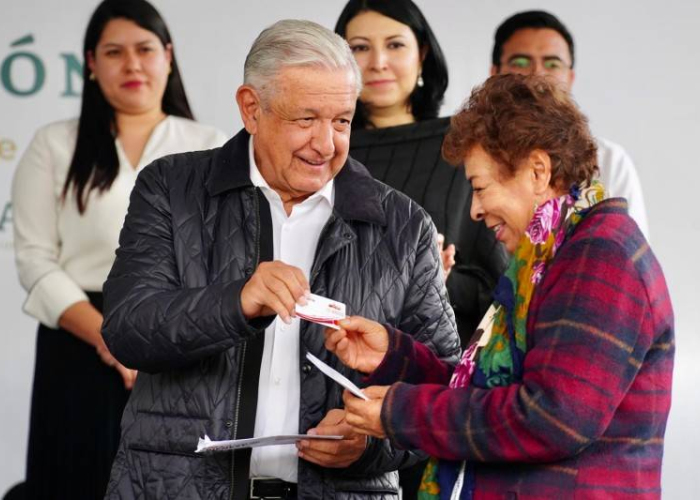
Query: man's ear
250,107
494,70
541,171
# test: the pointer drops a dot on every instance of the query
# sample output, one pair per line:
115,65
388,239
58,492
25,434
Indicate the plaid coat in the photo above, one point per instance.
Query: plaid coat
588,418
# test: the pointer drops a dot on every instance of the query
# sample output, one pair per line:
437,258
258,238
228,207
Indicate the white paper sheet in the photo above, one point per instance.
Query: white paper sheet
337,376
206,445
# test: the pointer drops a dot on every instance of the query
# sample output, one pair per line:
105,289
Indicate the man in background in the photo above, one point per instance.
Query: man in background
536,42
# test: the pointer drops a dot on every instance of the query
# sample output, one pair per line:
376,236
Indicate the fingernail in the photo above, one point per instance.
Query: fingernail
312,432
302,300
307,293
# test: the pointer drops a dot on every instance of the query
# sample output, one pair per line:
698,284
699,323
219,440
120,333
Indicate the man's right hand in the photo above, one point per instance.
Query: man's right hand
274,288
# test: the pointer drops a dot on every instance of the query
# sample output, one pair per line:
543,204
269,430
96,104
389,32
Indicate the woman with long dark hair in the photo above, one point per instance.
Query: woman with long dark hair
70,195
397,134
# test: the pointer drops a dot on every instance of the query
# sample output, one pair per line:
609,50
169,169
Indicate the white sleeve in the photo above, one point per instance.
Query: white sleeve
620,177
37,242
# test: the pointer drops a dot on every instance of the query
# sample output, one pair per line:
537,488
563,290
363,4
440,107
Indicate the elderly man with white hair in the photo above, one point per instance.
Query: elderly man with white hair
217,249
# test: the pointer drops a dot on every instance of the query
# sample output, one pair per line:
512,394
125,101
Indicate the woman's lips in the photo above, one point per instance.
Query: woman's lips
498,229
377,83
134,84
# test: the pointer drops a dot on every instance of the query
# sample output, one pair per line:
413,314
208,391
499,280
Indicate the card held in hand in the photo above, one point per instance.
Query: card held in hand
321,310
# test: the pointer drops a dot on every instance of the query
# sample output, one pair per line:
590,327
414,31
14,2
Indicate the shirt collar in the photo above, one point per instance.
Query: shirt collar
258,180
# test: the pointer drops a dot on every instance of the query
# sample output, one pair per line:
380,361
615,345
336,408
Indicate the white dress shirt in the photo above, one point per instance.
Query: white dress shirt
60,253
295,238
618,175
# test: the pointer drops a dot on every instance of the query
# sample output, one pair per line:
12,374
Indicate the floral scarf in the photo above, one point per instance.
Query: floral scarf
497,359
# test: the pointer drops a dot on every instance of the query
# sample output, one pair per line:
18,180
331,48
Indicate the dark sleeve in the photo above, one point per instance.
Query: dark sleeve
596,309
479,263
152,322
426,314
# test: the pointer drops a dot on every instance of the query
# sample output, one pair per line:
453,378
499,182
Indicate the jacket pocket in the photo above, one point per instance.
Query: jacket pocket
166,434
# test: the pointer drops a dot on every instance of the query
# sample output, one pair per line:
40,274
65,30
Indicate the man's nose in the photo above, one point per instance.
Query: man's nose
539,69
322,141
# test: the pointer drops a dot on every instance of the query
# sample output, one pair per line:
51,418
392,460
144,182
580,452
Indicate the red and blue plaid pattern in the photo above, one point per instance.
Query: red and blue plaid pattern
588,418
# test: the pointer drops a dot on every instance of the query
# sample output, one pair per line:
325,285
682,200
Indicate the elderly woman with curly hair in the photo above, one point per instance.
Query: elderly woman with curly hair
567,392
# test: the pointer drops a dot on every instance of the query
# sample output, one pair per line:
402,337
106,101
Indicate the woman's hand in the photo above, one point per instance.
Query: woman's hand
360,343
128,375
365,416
447,255
85,322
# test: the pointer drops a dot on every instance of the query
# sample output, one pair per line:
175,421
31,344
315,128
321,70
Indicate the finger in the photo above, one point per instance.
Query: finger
440,240
357,423
353,404
294,281
376,391
333,337
318,448
276,296
339,429
280,289
302,281
333,417
322,459
358,324
126,378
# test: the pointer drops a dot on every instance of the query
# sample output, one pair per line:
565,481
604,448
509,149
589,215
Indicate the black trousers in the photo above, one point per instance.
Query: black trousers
77,405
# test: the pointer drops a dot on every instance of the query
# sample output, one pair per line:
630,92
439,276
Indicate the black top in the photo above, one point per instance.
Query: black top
408,158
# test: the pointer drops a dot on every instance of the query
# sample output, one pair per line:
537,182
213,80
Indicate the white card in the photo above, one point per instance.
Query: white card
321,310
206,445
337,376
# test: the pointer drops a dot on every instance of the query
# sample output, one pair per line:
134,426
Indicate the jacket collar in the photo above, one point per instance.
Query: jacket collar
358,196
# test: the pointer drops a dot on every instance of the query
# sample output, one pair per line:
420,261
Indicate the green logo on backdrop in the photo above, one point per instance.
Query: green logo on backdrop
8,148
6,217
73,68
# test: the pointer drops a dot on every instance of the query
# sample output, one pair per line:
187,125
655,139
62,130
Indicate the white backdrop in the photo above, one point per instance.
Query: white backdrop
637,77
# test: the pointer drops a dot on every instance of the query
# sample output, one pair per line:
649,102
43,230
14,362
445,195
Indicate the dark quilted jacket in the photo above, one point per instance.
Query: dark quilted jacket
172,311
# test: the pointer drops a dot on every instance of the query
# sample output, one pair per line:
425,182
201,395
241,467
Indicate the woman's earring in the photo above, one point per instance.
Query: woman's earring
92,76
419,81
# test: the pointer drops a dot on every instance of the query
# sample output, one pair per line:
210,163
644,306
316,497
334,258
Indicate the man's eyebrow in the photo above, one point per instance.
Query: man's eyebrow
553,58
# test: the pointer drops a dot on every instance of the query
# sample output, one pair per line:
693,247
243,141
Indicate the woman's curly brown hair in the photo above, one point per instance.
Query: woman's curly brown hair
509,116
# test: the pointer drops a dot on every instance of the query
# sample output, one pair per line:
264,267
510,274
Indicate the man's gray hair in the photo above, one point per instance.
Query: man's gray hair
294,43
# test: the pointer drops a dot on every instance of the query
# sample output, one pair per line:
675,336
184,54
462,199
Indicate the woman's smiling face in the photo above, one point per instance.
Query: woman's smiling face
505,202
388,55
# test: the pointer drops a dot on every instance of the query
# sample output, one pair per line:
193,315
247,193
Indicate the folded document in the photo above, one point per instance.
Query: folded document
206,445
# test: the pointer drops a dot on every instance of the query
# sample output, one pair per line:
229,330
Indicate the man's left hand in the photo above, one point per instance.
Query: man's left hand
331,453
